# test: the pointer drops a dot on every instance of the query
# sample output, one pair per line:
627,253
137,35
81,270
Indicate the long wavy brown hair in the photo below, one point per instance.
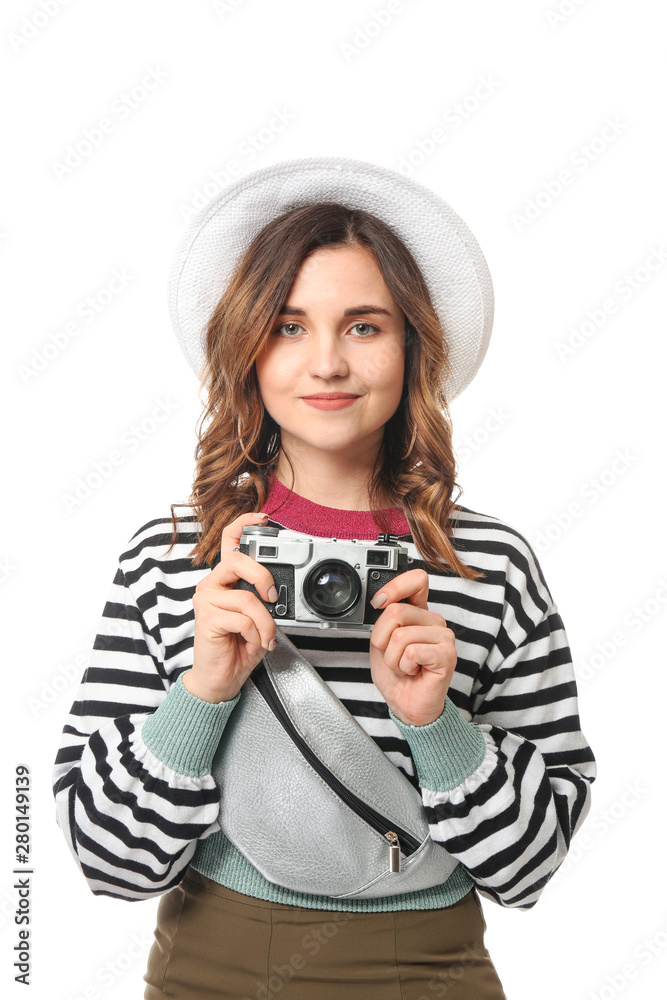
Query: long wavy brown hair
239,442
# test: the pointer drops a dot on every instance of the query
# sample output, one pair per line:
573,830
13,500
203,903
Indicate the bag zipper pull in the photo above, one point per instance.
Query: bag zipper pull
394,852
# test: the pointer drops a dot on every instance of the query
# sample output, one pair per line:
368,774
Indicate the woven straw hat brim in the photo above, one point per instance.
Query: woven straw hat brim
441,243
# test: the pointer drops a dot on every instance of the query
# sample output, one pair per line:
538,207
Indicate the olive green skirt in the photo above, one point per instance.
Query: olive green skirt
212,943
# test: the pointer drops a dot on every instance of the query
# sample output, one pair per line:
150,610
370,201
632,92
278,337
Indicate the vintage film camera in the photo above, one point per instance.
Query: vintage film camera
323,582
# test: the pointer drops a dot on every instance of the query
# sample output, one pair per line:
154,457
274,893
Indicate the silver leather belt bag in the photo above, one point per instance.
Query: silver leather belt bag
308,796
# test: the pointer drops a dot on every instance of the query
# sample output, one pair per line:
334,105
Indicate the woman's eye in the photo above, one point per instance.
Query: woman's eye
284,325
290,328
369,327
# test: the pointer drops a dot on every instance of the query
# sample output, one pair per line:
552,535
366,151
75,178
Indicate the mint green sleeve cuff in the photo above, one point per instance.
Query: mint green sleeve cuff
446,751
184,731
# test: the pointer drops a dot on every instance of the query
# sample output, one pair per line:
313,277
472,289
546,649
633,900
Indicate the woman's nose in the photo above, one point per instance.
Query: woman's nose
327,357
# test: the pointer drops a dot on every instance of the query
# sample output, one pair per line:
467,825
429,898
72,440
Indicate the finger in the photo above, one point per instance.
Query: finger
423,656
432,676
235,565
212,605
401,615
231,533
241,566
404,641
411,586
217,623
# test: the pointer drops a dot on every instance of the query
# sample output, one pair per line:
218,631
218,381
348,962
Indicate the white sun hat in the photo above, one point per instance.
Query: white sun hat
441,243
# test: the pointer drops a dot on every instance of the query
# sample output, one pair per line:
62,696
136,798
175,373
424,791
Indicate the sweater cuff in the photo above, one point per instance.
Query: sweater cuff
445,751
184,731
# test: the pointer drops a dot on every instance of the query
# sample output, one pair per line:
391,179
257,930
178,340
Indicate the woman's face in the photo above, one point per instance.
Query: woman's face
339,331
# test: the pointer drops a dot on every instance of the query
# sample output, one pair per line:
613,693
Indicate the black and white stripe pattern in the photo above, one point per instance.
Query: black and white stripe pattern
133,823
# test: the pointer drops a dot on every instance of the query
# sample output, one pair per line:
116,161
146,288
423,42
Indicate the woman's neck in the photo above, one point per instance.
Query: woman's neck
330,493
333,479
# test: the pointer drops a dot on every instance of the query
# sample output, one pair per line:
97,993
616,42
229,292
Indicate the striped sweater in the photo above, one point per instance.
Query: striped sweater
504,772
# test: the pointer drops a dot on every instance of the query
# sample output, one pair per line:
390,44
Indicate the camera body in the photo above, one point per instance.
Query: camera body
323,583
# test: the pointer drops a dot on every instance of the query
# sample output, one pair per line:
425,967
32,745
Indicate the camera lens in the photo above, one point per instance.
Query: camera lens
331,588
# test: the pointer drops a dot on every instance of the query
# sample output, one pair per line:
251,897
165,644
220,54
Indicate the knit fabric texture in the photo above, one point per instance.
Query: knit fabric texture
504,772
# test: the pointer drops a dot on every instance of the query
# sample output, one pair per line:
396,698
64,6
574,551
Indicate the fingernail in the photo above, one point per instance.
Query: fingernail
260,517
379,600
273,595
273,644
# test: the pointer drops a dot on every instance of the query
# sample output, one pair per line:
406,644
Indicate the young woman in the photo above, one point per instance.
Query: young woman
332,309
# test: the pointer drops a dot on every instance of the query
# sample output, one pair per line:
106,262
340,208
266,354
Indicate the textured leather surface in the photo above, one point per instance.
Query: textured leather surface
347,750
285,818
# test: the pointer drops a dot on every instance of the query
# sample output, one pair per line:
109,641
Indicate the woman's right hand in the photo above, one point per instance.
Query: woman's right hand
233,629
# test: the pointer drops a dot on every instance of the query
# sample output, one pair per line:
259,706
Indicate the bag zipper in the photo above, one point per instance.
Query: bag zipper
398,839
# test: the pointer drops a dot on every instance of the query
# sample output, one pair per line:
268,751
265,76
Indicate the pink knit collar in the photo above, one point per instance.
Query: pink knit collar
299,514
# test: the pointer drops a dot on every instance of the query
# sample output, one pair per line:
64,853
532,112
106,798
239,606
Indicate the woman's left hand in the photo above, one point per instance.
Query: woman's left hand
412,652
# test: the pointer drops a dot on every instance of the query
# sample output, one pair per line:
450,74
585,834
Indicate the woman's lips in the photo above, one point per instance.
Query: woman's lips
330,404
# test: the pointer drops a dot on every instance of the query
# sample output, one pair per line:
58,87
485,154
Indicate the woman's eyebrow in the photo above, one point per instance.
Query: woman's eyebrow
352,311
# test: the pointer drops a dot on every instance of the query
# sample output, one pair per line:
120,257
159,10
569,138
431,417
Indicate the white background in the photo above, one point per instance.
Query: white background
584,429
